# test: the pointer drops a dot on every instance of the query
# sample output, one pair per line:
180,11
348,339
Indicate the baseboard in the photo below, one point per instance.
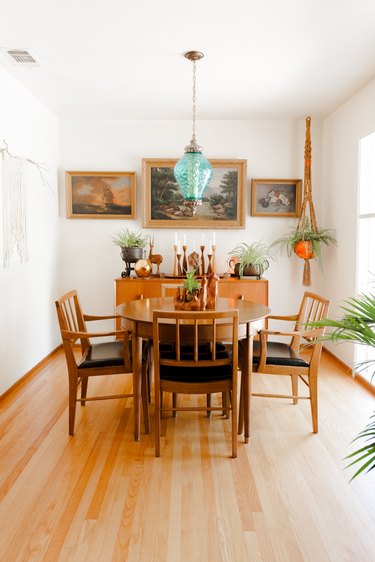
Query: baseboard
31,373
349,371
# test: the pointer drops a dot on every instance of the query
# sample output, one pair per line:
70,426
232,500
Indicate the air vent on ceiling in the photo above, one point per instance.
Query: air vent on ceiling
22,56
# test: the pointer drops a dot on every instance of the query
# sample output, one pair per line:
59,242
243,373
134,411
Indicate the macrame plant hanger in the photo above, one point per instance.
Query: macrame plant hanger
307,213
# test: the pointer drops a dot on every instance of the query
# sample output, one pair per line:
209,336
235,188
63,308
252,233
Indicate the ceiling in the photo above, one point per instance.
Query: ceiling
121,59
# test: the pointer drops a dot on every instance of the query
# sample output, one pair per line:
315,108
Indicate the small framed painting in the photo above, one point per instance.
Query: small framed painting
100,195
275,198
223,200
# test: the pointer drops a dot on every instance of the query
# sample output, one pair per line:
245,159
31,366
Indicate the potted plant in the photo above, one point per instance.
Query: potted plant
131,243
253,259
191,285
305,242
357,326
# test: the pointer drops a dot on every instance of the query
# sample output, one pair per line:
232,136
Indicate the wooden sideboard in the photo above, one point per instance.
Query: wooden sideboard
131,288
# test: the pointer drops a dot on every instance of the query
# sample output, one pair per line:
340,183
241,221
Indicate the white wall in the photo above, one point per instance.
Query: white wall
272,149
342,133
28,328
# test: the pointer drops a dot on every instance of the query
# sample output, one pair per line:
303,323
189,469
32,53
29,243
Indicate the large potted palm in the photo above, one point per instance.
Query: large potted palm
357,326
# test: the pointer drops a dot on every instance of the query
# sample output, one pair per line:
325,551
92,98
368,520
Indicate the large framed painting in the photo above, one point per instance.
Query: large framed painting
275,198
223,200
100,195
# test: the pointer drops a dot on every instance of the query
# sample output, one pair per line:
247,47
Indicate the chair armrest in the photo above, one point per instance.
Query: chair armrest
288,318
301,333
89,317
78,335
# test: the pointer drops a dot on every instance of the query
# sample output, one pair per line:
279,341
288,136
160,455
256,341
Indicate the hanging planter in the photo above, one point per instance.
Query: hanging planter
306,239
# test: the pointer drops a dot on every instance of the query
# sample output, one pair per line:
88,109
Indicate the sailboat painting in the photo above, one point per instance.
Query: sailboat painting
101,195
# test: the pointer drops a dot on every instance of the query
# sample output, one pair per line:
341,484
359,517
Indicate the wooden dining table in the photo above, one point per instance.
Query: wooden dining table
137,316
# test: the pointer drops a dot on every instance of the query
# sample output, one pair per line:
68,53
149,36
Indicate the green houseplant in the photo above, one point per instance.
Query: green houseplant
357,326
127,238
131,243
191,284
305,242
253,259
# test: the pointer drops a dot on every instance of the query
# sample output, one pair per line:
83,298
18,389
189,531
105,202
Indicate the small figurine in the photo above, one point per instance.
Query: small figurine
194,261
212,288
155,258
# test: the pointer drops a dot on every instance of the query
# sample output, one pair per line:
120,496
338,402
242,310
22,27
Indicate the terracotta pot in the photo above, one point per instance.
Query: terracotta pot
303,250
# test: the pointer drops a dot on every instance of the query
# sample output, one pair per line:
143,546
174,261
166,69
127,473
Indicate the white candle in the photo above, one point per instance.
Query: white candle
214,238
193,245
210,247
178,247
202,239
184,239
175,238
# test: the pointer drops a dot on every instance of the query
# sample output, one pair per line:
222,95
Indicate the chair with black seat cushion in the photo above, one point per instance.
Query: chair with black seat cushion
105,358
196,363
299,358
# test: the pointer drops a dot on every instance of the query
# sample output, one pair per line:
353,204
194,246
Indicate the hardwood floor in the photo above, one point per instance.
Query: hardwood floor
99,496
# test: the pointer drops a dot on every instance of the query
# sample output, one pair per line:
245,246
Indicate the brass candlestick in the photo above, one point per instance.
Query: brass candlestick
179,271
213,258
184,260
202,260
175,271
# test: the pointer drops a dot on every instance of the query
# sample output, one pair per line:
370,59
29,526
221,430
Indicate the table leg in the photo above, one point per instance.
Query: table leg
245,398
137,382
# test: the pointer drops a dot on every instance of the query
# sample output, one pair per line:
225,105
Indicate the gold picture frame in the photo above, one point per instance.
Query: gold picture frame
100,195
275,198
221,208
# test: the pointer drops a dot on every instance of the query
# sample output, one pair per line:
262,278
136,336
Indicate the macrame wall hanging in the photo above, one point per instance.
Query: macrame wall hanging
14,196
307,218
308,239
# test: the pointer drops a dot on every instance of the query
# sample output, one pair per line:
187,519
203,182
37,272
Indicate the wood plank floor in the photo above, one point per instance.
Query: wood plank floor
99,496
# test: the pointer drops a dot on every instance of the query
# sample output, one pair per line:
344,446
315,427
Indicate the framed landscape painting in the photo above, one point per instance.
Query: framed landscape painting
222,204
275,198
100,195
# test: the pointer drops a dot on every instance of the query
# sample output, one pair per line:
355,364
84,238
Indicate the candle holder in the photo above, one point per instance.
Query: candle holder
184,260
209,267
175,271
213,258
179,271
202,260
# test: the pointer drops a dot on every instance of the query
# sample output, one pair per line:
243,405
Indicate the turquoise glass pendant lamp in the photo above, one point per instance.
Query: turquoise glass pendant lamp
193,171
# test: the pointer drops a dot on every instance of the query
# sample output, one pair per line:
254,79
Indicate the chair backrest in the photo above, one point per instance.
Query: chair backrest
71,318
191,330
313,308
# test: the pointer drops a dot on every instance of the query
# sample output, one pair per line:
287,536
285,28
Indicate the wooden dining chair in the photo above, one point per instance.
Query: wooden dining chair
196,364
93,359
298,358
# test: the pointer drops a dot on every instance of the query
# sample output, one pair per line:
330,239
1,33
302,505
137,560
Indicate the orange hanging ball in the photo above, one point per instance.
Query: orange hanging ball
303,250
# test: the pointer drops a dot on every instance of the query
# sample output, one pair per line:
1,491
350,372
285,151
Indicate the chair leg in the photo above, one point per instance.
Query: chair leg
158,405
144,391
150,367
174,404
294,379
224,403
208,404
313,384
84,383
234,422
241,410
72,404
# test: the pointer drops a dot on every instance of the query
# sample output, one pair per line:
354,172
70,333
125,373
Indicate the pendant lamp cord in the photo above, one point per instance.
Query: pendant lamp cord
194,97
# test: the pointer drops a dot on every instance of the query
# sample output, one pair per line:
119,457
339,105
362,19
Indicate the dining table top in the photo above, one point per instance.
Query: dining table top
141,310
